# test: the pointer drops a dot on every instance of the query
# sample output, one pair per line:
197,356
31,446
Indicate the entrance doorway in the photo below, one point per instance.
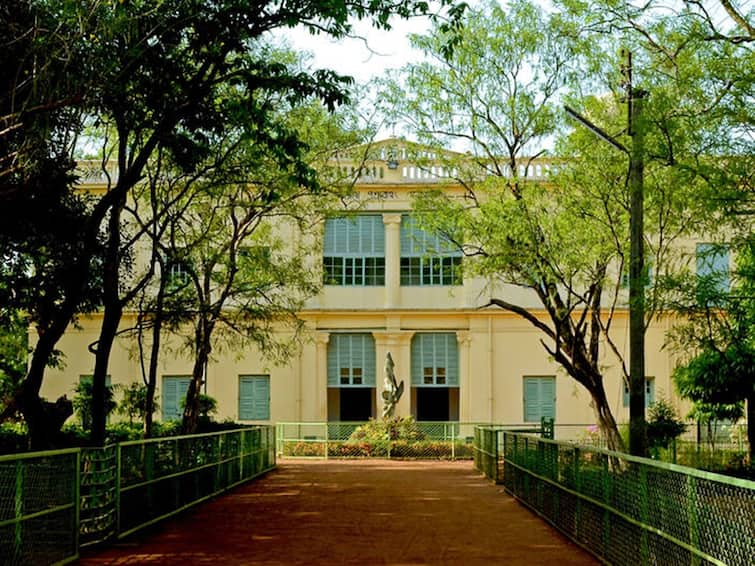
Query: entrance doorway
439,404
355,404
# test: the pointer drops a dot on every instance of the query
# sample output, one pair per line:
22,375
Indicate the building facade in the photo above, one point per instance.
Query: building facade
389,287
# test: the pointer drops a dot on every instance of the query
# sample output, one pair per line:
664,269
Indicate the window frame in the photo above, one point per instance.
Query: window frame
710,269
163,404
427,260
252,415
354,251
540,379
435,359
649,392
351,360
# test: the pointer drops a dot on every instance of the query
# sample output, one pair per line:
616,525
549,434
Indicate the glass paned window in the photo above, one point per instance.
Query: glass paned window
712,271
427,259
254,397
435,360
354,250
351,360
539,398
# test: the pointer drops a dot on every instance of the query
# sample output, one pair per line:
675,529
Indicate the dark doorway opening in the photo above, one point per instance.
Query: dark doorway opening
439,404
356,403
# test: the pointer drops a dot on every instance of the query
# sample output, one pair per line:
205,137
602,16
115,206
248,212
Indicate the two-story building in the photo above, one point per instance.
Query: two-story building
389,287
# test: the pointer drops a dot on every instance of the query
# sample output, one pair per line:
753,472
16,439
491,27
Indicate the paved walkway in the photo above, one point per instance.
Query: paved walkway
354,512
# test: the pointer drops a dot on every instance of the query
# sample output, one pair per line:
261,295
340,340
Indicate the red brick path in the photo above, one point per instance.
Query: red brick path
354,512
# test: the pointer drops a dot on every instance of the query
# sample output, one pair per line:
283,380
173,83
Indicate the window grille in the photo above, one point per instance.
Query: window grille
539,398
427,259
351,360
174,390
435,360
354,251
254,397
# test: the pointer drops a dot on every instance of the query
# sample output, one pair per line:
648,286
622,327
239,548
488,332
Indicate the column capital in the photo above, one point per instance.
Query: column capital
391,219
322,338
392,338
464,337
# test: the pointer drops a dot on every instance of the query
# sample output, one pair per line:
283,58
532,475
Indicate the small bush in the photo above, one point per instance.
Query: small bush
394,428
663,425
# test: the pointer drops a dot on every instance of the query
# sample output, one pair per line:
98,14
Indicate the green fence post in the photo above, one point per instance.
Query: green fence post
327,434
644,514
607,501
118,461
18,511
578,488
77,499
694,533
241,453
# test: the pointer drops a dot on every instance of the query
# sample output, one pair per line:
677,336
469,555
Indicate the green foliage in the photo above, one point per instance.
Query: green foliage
134,402
663,425
13,438
119,68
717,342
387,429
82,402
14,351
208,406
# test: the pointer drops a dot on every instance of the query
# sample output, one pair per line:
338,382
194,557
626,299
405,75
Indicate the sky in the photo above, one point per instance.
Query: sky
359,58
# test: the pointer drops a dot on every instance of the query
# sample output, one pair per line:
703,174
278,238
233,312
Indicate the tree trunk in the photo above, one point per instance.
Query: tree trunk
606,422
203,350
113,311
191,407
41,435
108,331
154,357
751,426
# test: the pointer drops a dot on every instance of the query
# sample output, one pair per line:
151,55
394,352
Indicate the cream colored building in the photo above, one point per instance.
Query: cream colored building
460,361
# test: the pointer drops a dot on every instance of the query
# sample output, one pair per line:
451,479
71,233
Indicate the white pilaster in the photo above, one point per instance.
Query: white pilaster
320,393
392,259
464,339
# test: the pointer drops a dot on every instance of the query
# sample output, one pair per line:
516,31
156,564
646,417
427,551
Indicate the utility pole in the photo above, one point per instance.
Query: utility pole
636,130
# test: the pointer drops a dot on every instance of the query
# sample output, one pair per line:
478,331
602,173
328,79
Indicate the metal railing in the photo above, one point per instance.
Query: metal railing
160,477
54,503
407,439
625,510
39,507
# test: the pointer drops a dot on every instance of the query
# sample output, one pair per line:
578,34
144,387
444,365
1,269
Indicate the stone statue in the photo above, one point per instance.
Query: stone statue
392,391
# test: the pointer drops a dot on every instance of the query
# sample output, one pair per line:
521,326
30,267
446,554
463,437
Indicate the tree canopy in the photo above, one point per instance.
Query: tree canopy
499,95
152,76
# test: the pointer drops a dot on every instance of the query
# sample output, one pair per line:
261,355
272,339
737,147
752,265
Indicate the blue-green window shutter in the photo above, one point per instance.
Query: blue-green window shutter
174,390
351,360
254,397
713,265
649,393
435,360
539,398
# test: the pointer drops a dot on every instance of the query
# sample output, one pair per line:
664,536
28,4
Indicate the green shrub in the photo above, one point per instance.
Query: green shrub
82,402
394,428
13,438
663,424
134,403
